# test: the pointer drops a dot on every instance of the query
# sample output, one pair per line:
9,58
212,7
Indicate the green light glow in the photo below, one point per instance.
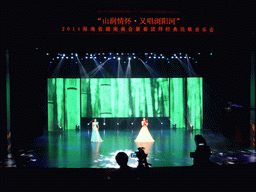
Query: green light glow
70,99
177,102
195,101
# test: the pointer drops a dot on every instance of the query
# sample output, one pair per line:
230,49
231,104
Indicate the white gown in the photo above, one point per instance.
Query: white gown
144,135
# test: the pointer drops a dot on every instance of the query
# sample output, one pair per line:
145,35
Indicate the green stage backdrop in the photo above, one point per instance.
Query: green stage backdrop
70,99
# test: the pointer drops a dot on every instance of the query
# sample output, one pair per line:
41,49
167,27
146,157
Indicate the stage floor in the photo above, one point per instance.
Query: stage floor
172,147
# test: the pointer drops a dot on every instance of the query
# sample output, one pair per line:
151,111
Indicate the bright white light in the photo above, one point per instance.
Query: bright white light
154,57
133,53
162,123
64,55
72,57
105,57
149,57
76,54
47,53
132,123
180,57
117,123
117,53
114,57
162,57
172,57
104,123
118,58
134,57
86,57
129,58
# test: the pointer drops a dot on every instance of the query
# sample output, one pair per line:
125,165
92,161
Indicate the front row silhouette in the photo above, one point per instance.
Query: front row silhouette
144,134
95,132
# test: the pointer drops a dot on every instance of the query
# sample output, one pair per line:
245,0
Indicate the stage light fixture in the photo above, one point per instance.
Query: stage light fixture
131,123
61,129
174,54
172,57
134,57
76,54
180,57
158,57
62,57
162,57
57,57
210,53
47,53
88,123
161,123
114,57
104,123
118,58
199,53
185,57
72,57
86,57
95,57
72,53
90,57
105,57
122,53
129,58
180,53
154,57
189,57
149,57
66,57
117,123
133,53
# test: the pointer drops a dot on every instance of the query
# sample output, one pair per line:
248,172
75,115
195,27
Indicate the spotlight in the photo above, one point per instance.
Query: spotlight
117,123
88,123
129,58
57,57
199,53
134,57
114,57
180,53
66,57
105,57
146,53
172,57
174,54
154,57
180,57
61,129
62,57
210,53
90,57
131,123
162,57
118,58
117,53
95,57
149,57
185,57
104,123
133,53
189,57
161,123
122,53
86,57
72,53
72,57
191,127
174,126
76,54
158,57
47,53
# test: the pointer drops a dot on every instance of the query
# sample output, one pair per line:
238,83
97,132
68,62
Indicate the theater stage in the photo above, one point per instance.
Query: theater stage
172,147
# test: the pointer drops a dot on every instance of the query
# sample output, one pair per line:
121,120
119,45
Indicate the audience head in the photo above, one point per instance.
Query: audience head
122,159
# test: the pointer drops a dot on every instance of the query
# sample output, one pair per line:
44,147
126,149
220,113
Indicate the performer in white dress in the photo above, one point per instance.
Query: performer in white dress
144,135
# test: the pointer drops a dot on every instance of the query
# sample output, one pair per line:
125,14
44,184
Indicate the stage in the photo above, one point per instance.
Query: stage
172,147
